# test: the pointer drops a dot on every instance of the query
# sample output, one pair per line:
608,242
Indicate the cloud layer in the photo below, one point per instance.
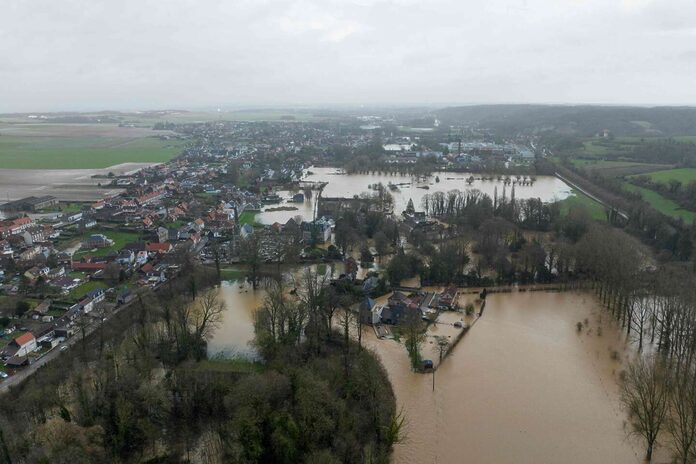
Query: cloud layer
138,54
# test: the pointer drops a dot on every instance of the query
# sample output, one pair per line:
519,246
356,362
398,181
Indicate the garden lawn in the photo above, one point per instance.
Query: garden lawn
120,240
85,288
248,217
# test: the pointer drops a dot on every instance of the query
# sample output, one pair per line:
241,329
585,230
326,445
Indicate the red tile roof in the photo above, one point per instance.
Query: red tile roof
159,247
23,339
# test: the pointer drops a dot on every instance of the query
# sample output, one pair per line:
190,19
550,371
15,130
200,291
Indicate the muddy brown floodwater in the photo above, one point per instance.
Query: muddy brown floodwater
523,386
234,335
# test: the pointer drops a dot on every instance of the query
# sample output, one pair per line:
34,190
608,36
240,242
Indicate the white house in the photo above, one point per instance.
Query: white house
25,344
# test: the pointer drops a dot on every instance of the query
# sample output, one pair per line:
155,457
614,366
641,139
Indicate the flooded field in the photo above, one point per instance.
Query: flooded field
523,386
237,329
547,188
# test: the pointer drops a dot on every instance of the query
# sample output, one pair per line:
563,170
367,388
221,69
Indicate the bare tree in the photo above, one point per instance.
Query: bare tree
250,253
645,395
443,346
311,295
206,313
682,420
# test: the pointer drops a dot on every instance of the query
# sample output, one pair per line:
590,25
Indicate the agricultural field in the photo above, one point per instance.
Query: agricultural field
234,115
600,148
609,168
579,199
81,146
662,204
683,175
685,138
595,149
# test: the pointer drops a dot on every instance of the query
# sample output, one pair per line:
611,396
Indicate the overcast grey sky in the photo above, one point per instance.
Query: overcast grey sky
148,54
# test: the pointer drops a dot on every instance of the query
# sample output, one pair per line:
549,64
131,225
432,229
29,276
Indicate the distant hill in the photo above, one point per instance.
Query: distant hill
579,120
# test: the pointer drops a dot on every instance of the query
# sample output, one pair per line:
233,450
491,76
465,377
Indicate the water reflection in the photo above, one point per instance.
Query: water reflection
236,332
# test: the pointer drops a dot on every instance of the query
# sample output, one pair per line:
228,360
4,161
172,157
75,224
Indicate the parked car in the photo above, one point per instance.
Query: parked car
3,375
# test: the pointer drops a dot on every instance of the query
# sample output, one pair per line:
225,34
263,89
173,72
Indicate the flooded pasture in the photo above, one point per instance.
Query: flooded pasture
547,188
523,386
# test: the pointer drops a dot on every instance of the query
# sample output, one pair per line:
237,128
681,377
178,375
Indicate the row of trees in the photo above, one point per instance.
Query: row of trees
656,307
473,207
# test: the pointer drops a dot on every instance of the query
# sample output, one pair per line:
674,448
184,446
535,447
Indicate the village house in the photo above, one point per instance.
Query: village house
14,226
98,241
24,344
448,298
421,304
158,248
89,264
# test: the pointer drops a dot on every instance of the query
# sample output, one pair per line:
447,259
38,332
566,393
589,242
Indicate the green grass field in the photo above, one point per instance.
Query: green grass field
683,175
120,240
85,288
603,164
593,148
89,151
662,204
232,274
610,168
248,217
579,199
64,207
685,138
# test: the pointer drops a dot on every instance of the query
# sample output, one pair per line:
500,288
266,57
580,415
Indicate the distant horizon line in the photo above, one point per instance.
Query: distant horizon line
336,106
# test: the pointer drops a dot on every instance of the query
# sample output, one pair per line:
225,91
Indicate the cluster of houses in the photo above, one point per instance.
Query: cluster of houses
408,150
400,306
49,331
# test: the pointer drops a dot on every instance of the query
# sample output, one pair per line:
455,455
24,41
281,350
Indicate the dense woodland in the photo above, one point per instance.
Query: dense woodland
141,389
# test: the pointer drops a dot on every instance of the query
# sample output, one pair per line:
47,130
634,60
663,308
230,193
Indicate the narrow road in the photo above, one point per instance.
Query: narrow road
595,198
